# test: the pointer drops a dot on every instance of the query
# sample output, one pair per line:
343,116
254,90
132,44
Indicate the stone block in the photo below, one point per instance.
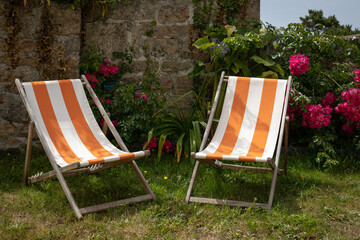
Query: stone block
184,84
172,32
71,44
174,14
168,48
175,66
109,37
65,20
140,10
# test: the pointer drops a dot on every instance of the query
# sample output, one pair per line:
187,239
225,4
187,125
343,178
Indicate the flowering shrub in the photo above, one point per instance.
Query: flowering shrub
299,64
131,105
316,116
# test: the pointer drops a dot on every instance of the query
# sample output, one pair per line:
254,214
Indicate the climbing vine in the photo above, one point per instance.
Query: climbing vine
52,61
13,28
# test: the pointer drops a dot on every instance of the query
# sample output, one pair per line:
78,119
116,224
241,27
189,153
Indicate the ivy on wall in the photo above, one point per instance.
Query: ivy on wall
52,60
13,28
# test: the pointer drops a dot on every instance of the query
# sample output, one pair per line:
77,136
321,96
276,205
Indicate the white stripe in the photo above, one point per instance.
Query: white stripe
65,122
224,118
40,125
275,119
247,129
90,119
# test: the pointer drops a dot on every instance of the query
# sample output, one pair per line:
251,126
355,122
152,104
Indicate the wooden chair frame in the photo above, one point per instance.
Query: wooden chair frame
274,166
71,169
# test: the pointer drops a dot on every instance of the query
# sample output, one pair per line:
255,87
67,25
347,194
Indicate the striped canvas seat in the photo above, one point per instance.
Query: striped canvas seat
250,121
63,115
250,128
72,139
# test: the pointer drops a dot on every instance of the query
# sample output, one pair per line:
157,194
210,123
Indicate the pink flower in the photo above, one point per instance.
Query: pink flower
167,147
101,99
299,64
316,116
108,101
348,128
92,85
329,99
106,61
102,122
115,123
112,69
104,70
152,145
142,96
357,78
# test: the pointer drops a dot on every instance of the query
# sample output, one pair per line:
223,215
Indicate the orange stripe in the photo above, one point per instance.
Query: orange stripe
264,118
241,158
51,123
81,126
122,157
236,117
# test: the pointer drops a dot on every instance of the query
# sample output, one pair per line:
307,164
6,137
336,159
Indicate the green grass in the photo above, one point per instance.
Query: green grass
308,203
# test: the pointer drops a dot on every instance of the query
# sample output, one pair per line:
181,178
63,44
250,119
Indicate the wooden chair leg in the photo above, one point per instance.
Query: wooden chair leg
28,152
192,181
286,142
142,179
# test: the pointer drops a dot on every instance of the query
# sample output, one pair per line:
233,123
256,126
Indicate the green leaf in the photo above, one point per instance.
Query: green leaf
265,62
269,74
197,134
278,69
161,144
179,144
203,43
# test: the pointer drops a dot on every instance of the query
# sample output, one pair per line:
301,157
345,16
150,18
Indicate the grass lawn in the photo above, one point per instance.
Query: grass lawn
308,203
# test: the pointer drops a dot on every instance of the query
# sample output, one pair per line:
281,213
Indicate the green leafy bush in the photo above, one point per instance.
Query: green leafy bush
131,104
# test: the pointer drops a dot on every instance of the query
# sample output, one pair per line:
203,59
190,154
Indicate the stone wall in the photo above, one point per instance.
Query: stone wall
19,58
72,31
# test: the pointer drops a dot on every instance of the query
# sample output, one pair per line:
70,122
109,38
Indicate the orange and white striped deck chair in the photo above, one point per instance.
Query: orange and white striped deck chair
250,128
72,139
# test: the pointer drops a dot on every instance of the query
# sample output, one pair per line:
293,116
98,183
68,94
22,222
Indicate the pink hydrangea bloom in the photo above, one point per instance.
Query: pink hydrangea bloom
92,85
299,64
329,99
316,116
108,101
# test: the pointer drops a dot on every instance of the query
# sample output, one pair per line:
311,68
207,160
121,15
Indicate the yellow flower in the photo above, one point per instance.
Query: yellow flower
165,178
145,171
236,234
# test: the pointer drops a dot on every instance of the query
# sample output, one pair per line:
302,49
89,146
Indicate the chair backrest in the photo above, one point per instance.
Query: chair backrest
249,123
61,112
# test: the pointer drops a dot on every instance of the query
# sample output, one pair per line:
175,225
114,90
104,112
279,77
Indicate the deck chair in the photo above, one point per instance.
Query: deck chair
72,139
251,125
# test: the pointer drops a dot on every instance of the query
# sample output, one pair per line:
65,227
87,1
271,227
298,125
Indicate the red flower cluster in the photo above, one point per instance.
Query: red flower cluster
350,108
357,78
113,121
142,96
167,147
152,145
292,110
316,116
107,69
299,64
329,99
